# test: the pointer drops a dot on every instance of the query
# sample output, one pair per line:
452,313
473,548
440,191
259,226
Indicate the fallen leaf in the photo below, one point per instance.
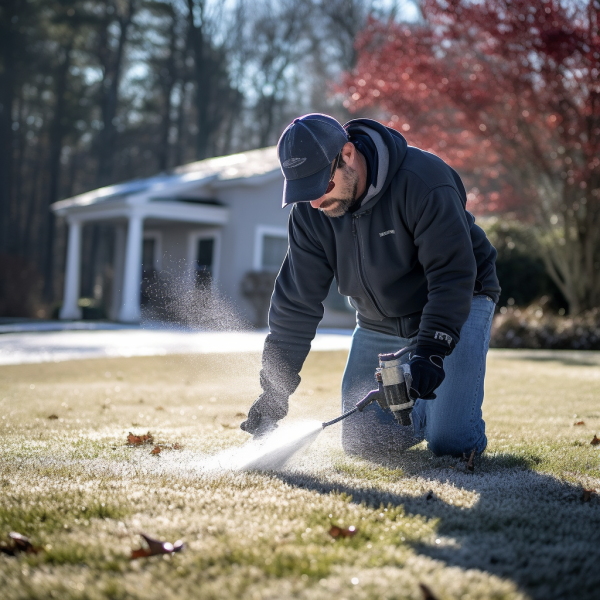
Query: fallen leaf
138,440
53,417
595,441
156,547
470,461
156,450
18,543
336,531
587,495
159,408
579,423
175,447
427,593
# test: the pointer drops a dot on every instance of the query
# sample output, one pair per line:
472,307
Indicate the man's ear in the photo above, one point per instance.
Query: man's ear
349,153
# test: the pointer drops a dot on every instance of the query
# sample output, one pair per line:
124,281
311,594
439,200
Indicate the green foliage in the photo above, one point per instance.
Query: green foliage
521,271
56,512
536,327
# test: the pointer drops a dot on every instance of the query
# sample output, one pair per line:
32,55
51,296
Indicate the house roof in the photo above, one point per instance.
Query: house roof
199,176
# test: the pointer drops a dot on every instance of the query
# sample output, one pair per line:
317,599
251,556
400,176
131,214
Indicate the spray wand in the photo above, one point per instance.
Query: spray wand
394,380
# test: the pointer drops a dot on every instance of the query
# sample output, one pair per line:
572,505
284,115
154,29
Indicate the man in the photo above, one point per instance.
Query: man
388,221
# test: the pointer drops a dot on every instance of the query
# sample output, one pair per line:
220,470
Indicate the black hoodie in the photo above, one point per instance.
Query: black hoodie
410,259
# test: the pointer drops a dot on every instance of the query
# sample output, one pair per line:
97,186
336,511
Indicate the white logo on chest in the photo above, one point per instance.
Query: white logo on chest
388,232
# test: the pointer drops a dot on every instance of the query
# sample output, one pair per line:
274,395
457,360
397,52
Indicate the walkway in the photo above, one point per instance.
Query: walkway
56,346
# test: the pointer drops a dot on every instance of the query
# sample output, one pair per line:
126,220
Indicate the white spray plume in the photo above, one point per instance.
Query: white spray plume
268,454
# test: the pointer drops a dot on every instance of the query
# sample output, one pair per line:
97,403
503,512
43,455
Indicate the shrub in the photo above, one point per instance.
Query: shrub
537,327
257,288
20,288
520,269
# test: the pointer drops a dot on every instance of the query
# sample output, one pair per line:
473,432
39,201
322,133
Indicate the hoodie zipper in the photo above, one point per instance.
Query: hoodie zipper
361,274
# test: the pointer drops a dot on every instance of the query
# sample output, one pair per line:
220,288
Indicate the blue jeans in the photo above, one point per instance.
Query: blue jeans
452,423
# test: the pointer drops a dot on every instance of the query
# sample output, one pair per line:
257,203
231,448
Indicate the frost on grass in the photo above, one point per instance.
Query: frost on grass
268,454
516,527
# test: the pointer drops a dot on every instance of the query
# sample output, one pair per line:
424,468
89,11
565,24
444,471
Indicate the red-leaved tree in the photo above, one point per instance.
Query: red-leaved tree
509,91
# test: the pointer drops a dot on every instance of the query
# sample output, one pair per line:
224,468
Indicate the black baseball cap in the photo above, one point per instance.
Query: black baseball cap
306,150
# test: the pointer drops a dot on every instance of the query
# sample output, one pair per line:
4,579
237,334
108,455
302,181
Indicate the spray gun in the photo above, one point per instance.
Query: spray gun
394,381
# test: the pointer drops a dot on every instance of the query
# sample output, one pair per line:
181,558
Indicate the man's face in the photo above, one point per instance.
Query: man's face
341,198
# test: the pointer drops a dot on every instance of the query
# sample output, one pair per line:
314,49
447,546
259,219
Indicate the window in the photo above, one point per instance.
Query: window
151,252
148,254
203,256
203,266
271,244
273,252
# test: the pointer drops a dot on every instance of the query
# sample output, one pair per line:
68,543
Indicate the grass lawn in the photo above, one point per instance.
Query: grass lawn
517,527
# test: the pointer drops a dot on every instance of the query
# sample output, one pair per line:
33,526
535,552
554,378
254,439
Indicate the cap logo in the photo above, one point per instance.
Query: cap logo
293,162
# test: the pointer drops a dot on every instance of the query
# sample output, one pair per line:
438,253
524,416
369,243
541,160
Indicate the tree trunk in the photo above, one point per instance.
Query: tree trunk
9,44
56,136
110,85
170,77
197,42
180,142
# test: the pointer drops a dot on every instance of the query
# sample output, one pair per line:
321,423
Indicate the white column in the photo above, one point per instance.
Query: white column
132,275
70,309
118,264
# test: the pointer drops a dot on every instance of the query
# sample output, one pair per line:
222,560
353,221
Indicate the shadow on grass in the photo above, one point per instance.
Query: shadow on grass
525,526
569,358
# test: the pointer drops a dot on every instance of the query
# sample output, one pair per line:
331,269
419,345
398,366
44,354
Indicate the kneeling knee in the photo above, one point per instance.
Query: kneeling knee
447,445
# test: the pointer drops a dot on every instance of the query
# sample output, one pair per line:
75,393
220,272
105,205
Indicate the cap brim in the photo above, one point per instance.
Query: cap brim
307,188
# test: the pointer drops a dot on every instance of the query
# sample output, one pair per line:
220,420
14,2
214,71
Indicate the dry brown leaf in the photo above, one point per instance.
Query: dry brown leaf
427,593
579,423
18,543
159,408
595,441
587,495
156,450
336,532
138,440
156,548
53,417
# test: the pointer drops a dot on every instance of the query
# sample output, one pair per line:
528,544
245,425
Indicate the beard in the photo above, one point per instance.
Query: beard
338,206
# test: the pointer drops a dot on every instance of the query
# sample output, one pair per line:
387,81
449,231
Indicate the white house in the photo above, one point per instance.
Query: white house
220,216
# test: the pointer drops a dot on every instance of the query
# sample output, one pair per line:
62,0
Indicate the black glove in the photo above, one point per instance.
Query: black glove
264,415
279,379
427,370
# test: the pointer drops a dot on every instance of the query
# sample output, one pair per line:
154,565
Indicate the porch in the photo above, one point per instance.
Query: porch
140,232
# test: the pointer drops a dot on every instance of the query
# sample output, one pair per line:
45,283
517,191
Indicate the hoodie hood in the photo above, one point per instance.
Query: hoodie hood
391,151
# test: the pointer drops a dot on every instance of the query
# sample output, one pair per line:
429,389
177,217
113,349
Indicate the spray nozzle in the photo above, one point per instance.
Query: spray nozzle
394,381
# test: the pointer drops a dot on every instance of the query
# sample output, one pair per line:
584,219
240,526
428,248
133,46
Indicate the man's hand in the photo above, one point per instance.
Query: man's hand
427,370
263,416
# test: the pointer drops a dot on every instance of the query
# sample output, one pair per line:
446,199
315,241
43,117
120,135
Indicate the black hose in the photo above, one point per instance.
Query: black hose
334,421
